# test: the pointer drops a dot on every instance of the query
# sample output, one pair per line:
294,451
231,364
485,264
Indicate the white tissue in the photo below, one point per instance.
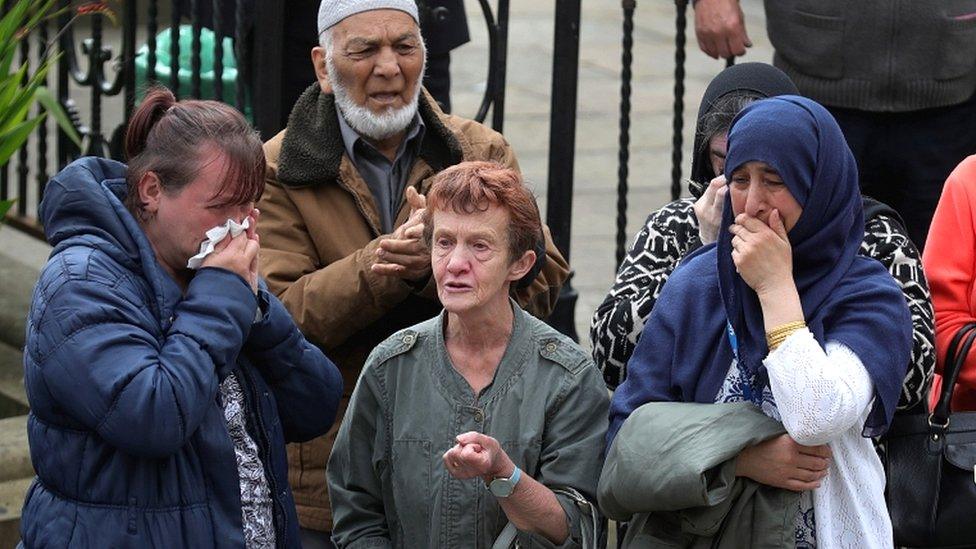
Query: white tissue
214,236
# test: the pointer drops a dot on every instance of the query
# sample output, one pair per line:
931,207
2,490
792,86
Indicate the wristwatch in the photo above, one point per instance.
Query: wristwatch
503,487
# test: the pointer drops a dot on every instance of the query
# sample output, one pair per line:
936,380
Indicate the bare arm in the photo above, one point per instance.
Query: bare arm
783,463
531,507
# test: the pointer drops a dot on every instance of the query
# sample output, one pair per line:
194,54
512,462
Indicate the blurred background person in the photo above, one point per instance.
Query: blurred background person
949,265
901,86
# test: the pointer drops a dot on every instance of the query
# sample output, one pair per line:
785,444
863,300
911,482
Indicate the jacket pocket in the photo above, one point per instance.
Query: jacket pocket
812,43
411,488
958,51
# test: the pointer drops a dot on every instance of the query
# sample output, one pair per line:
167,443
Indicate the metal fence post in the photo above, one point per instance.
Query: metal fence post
679,96
269,24
623,156
562,147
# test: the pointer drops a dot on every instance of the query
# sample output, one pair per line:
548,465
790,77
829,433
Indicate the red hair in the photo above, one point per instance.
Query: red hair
476,186
167,137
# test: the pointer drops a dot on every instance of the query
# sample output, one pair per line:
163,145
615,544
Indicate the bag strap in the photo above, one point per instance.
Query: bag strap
955,358
506,538
588,514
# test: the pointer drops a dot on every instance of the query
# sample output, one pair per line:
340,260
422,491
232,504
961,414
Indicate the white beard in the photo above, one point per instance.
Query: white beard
367,123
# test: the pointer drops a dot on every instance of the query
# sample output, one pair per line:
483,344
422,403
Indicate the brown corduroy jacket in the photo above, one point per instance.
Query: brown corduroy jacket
319,232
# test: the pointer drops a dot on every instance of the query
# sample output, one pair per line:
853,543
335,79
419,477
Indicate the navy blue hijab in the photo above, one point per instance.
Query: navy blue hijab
684,352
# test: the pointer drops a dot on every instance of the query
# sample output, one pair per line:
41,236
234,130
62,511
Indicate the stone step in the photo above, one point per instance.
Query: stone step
12,494
21,259
15,461
15,295
13,397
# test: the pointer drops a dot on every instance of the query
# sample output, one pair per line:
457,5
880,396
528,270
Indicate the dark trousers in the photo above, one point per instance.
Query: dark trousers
904,158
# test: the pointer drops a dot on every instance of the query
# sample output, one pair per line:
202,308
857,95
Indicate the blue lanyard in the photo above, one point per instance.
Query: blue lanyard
734,343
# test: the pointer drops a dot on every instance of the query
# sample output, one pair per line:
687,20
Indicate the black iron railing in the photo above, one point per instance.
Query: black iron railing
677,125
90,67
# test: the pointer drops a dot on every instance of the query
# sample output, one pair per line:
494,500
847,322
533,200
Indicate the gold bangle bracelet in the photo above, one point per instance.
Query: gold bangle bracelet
787,328
773,343
774,340
781,336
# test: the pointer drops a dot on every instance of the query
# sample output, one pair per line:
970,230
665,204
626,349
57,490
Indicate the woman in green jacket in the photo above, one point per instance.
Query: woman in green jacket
482,415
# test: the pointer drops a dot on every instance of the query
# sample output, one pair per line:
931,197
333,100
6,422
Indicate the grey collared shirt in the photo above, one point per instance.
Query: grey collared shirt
387,180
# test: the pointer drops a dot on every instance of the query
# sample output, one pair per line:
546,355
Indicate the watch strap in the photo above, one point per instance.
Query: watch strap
516,475
503,487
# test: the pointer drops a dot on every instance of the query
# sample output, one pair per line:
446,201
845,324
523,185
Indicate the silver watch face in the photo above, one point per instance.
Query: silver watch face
502,487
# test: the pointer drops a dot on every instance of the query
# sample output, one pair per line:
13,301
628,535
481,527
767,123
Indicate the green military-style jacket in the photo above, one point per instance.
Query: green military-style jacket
547,406
670,472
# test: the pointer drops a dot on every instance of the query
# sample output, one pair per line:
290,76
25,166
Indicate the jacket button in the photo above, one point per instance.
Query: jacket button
408,339
479,416
550,347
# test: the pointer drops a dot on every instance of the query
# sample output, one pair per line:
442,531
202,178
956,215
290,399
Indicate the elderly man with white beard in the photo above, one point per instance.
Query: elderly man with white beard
342,213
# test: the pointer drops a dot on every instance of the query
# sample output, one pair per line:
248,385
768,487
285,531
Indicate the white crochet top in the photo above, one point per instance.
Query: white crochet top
824,397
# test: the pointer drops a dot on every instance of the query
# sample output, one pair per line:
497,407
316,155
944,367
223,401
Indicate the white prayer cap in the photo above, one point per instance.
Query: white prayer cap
333,11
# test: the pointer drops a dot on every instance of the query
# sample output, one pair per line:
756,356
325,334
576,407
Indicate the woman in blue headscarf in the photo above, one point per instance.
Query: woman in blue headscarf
784,313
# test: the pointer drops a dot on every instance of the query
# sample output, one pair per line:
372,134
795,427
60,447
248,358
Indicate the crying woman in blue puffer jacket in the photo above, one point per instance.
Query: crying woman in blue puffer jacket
164,380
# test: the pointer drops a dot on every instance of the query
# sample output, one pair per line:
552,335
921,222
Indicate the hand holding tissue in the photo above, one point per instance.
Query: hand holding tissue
214,236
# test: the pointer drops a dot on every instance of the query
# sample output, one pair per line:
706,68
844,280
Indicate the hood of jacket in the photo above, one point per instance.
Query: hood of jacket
759,78
83,206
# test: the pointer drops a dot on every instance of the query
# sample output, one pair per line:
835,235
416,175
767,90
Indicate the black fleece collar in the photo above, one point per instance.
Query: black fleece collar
312,148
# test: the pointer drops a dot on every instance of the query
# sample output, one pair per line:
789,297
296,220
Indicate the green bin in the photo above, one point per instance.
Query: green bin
207,78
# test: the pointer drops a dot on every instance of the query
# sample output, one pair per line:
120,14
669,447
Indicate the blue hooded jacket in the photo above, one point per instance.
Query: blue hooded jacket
122,369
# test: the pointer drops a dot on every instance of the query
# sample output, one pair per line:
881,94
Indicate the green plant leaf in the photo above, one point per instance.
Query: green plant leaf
19,107
51,105
40,11
12,22
11,140
11,90
25,86
5,206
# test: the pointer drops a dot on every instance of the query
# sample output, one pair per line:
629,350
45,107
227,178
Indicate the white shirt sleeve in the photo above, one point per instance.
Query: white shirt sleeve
819,393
